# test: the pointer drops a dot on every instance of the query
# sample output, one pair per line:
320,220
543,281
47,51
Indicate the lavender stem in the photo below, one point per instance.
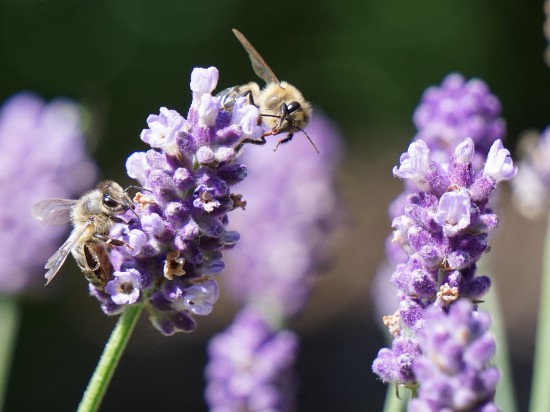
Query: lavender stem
108,362
9,324
540,395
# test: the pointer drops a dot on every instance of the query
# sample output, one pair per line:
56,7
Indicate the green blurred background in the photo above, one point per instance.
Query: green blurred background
365,63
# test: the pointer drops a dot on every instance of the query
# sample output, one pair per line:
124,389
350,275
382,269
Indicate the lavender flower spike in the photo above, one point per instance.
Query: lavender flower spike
443,232
454,368
176,245
48,139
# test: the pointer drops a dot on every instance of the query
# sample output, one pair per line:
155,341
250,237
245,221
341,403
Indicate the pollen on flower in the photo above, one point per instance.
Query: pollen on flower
392,322
142,200
173,266
446,295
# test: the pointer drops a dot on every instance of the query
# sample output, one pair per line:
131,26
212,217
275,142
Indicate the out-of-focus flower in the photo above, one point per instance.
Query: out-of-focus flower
456,110
531,187
454,368
42,154
176,243
250,367
291,208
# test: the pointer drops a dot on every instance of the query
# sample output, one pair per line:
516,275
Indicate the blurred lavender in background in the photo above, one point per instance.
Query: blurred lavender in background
531,187
251,367
292,208
455,110
42,155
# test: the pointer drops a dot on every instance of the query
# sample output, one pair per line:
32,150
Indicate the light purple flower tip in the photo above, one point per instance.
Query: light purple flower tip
414,165
464,152
453,212
208,109
247,117
203,81
163,128
499,164
125,287
200,299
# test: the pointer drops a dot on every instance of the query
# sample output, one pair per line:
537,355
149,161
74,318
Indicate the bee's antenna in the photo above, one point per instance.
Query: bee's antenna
133,187
309,138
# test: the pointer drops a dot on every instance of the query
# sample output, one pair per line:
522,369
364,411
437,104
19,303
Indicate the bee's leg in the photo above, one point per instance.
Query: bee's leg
260,141
110,241
288,138
248,94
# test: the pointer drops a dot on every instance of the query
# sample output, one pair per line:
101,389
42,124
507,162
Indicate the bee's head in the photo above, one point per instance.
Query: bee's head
114,198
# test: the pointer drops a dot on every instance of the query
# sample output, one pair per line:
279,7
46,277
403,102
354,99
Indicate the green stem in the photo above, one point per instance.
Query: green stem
504,398
540,394
109,359
393,403
9,324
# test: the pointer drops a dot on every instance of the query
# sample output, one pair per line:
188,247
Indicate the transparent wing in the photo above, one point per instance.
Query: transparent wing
56,260
259,65
53,211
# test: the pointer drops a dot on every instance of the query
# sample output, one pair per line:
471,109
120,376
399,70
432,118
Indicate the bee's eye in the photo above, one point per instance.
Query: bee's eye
109,201
293,106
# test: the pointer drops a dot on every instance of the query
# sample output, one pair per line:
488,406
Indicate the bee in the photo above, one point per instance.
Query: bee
92,217
281,104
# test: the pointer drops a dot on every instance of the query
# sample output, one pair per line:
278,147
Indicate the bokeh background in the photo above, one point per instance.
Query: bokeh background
366,64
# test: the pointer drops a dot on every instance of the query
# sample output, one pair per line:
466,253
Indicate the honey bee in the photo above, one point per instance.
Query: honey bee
281,104
92,217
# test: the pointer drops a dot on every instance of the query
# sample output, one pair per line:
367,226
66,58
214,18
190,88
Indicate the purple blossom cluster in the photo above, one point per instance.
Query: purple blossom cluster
443,230
455,110
445,116
48,139
441,222
454,366
531,187
250,367
174,250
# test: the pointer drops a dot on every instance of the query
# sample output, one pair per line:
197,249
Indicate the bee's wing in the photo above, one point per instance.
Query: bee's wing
259,65
53,211
56,260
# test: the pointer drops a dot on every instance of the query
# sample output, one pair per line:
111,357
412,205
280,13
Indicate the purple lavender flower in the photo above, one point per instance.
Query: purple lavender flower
250,367
454,366
531,187
291,207
446,115
456,110
175,247
48,139
443,230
